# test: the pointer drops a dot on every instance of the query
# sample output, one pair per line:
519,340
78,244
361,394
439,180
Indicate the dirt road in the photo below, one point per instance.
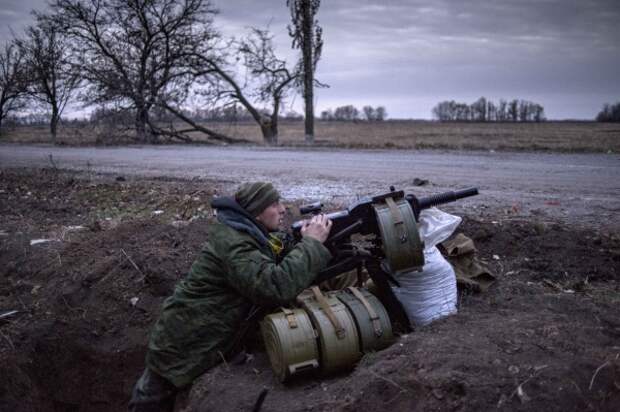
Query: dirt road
575,188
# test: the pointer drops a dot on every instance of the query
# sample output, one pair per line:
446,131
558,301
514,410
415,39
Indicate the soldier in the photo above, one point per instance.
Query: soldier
243,265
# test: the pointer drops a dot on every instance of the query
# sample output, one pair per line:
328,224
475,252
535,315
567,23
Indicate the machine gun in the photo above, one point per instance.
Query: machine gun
387,239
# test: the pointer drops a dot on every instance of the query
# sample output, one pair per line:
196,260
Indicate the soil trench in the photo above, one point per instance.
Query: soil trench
86,261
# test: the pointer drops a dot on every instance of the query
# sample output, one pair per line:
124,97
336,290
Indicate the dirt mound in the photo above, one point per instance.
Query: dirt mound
544,337
550,251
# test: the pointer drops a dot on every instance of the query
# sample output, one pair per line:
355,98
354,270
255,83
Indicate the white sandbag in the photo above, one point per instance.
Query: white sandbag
436,226
431,293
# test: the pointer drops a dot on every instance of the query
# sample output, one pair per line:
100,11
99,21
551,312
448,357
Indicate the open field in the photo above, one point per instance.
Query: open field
544,337
547,136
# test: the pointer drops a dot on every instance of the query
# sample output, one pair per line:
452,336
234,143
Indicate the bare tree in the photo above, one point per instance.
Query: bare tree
524,107
369,113
538,113
609,113
501,111
444,111
380,113
464,112
139,53
479,110
346,113
377,114
491,112
327,115
52,81
13,77
273,77
513,110
307,35
268,80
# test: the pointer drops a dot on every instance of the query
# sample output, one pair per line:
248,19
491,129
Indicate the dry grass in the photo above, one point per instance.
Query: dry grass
553,136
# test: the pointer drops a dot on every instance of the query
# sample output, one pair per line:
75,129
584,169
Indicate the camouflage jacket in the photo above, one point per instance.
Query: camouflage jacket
235,270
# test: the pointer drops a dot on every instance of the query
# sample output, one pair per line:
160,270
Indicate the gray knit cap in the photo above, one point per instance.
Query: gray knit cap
256,197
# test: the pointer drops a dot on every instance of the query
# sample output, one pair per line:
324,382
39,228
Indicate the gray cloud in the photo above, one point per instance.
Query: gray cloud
410,54
15,15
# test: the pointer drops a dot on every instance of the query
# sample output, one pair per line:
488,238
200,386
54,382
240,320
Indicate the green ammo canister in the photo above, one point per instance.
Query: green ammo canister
403,248
371,318
338,339
291,343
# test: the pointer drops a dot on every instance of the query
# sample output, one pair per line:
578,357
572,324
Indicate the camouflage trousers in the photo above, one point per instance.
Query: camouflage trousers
152,393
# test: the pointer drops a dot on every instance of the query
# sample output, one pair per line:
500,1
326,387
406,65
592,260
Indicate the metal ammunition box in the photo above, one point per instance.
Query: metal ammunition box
404,251
371,318
291,343
339,348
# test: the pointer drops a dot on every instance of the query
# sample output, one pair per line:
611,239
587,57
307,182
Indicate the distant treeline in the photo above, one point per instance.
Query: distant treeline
610,113
483,110
124,116
351,113
229,113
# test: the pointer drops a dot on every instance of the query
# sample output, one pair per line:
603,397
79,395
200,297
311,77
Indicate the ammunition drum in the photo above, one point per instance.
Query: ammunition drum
371,318
291,343
329,333
338,341
403,248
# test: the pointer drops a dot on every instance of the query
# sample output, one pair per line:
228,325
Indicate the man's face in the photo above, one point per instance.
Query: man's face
272,217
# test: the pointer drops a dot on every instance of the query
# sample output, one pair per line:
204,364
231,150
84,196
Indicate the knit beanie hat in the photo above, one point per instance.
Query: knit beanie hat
256,197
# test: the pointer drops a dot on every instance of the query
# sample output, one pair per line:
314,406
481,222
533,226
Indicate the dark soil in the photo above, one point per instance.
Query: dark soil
546,336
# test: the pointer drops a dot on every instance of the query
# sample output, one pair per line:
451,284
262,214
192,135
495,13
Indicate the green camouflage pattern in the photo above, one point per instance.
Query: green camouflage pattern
199,323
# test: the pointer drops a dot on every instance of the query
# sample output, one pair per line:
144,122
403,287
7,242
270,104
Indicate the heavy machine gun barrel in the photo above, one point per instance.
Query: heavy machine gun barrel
440,199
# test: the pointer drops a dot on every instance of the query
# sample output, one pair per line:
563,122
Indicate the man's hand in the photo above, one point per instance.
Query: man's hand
318,228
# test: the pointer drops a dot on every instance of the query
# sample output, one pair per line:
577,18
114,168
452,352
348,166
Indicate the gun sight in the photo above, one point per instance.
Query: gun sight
314,208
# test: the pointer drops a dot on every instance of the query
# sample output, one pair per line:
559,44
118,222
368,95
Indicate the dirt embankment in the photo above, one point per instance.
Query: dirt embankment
546,336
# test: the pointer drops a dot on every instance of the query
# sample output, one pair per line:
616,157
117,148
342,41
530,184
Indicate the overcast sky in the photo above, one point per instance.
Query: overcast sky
407,55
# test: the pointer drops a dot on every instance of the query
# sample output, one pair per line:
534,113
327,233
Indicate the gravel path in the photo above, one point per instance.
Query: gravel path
575,188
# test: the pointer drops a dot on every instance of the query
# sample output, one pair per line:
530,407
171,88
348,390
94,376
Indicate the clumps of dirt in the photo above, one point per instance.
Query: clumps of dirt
545,336
551,251
49,199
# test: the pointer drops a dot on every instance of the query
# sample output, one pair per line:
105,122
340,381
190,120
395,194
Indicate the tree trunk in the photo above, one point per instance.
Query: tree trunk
270,133
142,116
54,123
269,125
308,72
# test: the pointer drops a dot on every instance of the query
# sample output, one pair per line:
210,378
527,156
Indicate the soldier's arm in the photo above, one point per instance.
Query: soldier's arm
257,276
